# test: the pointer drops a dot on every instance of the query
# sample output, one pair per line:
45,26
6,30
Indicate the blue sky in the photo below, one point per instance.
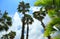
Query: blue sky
11,7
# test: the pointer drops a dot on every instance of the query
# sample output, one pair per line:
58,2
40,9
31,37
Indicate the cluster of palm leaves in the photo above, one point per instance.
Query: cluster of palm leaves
39,15
10,35
5,21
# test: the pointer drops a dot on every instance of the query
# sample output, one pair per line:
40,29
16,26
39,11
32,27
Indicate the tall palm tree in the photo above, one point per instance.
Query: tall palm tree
28,20
39,15
10,35
5,21
23,7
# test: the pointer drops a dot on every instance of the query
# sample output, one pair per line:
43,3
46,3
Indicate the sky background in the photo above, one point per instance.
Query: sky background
35,30
11,5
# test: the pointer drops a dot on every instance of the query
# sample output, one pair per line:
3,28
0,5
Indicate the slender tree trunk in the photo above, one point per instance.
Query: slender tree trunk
23,27
43,25
22,35
49,37
27,30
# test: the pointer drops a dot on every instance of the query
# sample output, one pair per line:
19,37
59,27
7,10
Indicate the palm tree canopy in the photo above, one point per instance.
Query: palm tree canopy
39,15
9,35
30,19
23,7
12,34
5,21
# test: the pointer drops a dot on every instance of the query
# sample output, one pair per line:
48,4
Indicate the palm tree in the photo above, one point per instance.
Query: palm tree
5,21
39,15
10,35
23,7
28,20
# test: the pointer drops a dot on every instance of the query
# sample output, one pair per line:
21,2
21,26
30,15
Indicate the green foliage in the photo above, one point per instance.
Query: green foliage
57,3
43,2
49,27
23,7
10,35
52,13
48,4
52,8
29,18
5,21
39,15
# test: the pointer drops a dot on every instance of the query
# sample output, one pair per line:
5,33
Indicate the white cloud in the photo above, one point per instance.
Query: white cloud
46,19
16,25
35,30
16,22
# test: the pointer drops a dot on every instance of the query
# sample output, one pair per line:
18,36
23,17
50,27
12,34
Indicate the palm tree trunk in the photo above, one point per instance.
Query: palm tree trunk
43,25
27,30
49,37
23,27
22,35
